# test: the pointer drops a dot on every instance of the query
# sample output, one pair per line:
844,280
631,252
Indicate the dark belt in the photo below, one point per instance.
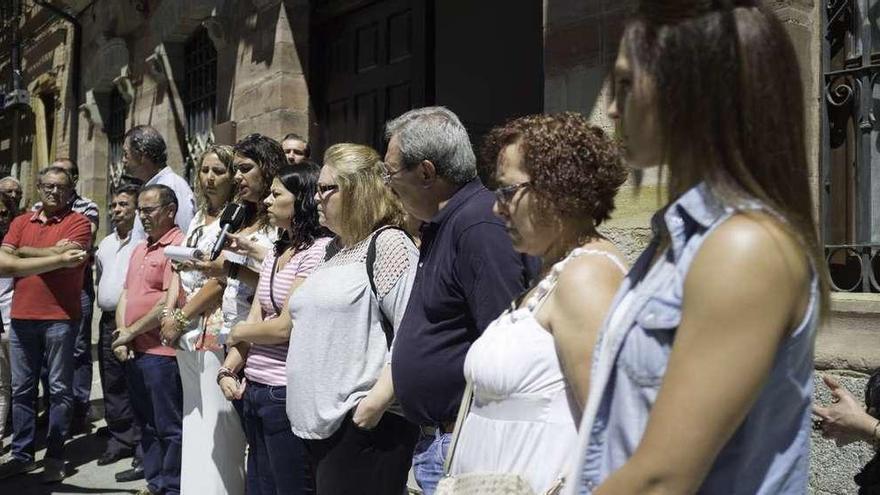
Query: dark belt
446,427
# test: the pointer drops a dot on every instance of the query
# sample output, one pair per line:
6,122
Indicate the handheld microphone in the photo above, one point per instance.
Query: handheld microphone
232,219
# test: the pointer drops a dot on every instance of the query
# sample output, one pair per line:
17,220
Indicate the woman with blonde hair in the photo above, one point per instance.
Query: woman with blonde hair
340,397
199,354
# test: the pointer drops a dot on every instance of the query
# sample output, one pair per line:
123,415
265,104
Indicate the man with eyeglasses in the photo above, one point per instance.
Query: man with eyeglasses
468,274
111,262
151,364
82,350
45,311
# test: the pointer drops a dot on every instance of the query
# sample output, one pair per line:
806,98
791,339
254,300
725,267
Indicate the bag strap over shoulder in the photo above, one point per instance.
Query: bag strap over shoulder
387,326
466,399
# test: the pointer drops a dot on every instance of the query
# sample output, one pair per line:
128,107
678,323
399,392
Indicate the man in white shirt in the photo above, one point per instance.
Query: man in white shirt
111,262
144,157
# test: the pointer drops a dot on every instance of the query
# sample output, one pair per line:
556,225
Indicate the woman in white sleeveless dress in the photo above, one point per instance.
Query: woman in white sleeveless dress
556,180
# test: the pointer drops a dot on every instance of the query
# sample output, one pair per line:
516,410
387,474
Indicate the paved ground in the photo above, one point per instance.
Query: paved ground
84,475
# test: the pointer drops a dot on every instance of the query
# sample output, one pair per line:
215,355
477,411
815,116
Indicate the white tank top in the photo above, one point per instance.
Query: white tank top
521,419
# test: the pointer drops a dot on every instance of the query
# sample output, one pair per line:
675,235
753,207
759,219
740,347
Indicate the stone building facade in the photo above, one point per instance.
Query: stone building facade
215,70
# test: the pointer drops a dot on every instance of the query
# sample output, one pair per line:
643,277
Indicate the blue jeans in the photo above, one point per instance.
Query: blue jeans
276,461
157,399
82,352
82,349
428,460
30,342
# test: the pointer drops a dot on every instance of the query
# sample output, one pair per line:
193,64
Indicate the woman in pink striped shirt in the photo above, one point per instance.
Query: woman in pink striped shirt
276,459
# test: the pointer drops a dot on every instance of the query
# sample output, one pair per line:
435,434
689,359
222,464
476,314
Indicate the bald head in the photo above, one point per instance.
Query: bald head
70,166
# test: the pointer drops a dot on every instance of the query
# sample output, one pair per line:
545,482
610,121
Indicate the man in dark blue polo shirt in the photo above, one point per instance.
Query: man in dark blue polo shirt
468,273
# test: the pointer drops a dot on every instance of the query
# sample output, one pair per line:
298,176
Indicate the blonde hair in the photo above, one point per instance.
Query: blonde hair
365,202
225,155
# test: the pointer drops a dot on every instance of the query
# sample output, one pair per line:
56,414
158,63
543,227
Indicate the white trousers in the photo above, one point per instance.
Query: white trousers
213,439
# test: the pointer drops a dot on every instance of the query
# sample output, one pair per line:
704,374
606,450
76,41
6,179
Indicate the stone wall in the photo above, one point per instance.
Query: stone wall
262,49
46,74
580,46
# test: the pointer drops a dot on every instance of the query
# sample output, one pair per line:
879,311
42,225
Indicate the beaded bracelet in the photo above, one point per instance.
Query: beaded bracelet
224,372
179,318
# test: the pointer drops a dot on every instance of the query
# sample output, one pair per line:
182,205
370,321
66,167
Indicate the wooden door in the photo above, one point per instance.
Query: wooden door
370,62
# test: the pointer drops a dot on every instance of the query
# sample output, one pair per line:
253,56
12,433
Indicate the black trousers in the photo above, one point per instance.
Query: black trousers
354,461
124,433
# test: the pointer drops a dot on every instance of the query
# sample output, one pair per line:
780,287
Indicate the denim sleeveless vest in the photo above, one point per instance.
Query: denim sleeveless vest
769,452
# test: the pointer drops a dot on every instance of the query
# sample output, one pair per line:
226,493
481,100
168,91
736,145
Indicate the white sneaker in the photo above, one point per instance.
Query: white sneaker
54,470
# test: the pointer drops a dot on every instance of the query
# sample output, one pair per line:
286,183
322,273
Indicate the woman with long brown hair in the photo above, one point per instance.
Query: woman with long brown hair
702,378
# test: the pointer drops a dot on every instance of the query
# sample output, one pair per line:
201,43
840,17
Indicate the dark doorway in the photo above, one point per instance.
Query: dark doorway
370,59
375,59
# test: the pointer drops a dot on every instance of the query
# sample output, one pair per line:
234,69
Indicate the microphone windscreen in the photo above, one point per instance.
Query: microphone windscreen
240,217
227,214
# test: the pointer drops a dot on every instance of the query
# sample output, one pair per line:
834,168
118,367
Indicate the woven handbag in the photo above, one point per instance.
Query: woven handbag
481,483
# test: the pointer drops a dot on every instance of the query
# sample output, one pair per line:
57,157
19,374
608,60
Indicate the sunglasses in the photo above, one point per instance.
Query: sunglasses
327,189
505,194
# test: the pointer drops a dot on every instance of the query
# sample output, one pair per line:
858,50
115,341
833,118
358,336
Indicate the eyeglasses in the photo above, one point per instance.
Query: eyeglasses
148,210
53,187
325,190
387,176
505,194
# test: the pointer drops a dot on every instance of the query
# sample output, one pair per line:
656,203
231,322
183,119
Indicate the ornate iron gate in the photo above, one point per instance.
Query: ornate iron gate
850,161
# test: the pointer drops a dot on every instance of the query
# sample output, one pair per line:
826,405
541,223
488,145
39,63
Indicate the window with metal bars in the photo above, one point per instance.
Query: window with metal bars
115,127
200,93
850,161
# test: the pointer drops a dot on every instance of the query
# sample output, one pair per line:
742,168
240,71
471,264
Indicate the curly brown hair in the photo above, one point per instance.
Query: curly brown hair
574,167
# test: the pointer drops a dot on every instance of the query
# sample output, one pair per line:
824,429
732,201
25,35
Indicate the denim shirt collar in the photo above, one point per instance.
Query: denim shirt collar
694,211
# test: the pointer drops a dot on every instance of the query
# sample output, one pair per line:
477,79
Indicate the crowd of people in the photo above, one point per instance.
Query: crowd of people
333,326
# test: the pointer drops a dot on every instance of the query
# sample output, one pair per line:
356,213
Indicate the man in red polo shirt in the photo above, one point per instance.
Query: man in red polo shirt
153,376
45,310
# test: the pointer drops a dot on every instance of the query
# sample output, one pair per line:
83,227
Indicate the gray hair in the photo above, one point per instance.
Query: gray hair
435,134
147,142
55,169
12,179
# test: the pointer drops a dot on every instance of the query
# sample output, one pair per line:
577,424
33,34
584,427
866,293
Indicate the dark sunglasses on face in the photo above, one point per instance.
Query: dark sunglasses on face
326,189
505,194
148,210
52,187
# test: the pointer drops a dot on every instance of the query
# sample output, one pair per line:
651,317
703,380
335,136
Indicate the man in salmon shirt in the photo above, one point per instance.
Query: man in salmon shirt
45,311
151,368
